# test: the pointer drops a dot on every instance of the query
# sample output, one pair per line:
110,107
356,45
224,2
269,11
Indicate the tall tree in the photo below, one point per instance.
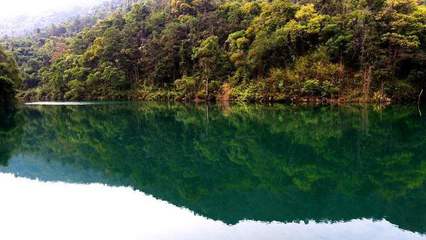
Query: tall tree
9,80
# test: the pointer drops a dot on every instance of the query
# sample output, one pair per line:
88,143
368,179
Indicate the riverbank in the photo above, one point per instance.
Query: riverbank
228,93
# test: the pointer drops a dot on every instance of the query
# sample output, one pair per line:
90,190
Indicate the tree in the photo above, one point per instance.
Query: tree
210,59
158,47
401,28
9,80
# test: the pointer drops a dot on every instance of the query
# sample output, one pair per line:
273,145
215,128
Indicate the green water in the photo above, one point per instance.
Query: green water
278,163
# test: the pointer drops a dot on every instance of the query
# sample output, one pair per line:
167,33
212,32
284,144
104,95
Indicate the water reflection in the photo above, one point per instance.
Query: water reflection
278,163
69,211
10,133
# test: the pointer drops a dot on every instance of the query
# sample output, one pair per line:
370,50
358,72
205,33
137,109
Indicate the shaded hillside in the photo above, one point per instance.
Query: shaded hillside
10,79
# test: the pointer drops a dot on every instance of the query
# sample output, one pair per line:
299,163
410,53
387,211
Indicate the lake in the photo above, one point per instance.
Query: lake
172,171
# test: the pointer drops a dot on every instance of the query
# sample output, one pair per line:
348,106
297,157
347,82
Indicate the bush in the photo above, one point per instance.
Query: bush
186,87
311,75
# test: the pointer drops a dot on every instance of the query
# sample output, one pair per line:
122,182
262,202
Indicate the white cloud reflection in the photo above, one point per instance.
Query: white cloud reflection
37,210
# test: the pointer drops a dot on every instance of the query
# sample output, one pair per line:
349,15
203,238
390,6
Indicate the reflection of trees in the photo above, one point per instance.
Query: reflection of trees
265,163
10,133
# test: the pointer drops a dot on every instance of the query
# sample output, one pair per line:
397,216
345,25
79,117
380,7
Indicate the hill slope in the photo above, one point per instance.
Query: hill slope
255,50
9,80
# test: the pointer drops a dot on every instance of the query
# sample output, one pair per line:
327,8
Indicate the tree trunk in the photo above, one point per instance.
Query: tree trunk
207,89
367,82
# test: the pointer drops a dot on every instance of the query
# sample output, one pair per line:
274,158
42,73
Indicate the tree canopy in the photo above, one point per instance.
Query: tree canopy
254,50
9,80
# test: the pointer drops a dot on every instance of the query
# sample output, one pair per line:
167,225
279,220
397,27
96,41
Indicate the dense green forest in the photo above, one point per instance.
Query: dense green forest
243,50
9,80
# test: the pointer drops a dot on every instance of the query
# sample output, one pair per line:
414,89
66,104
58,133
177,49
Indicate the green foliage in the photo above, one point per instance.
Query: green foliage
369,46
313,75
187,87
212,62
310,76
10,79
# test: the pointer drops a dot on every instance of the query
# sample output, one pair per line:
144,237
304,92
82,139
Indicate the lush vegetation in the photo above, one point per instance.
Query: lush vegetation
9,80
267,163
246,50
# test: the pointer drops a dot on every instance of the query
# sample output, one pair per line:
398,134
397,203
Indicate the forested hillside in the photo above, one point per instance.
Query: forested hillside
244,50
9,81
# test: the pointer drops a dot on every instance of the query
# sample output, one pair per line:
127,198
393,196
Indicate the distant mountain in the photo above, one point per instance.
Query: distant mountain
27,24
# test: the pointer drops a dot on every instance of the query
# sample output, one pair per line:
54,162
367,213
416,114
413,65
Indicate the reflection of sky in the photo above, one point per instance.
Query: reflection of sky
42,210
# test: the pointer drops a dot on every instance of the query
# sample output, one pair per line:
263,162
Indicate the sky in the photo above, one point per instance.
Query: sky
12,8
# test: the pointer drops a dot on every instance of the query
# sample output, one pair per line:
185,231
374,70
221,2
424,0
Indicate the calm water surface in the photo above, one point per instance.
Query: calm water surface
157,171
